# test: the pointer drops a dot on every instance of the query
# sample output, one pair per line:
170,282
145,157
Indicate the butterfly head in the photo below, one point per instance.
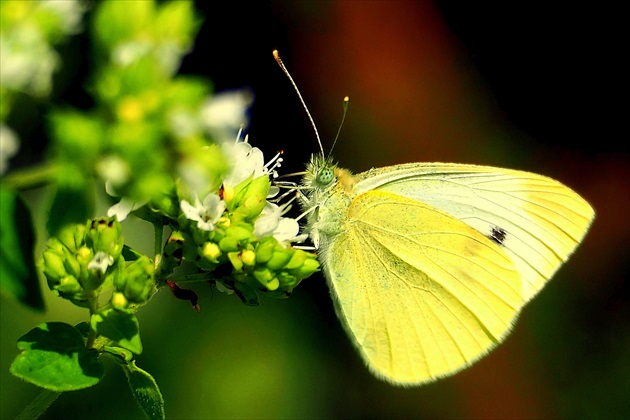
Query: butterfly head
320,173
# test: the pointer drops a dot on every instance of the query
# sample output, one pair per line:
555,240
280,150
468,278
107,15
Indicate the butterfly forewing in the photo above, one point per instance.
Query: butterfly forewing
535,219
421,293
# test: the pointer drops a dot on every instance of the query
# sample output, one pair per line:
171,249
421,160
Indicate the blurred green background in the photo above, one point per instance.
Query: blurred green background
523,85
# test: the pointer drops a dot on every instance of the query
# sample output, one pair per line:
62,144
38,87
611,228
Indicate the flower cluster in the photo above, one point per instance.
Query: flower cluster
83,261
237,229
163,146
159,146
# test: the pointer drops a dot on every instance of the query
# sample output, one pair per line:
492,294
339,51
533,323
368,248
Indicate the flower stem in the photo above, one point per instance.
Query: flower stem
39,405
158,235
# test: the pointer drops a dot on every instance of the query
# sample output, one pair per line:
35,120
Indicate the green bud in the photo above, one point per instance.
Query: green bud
229,244
237,236
54,268
211,251
105,235
72,265
250,197
267,278
72,237
103,279
264,250
297,259
235,259
281,256
167,205
248,257
310,266
240,231
137,282
287,281
119,301
273,284
68,286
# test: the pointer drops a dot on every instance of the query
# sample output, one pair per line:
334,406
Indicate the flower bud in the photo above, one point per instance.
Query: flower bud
105,235
267,278
68,286
264,250
237,236
309,267
137,282
72,237
211,251
249,198
119,301
54,268
281,256
248,257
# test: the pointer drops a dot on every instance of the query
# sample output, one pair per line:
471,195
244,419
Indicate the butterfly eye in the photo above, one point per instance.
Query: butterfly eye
325,176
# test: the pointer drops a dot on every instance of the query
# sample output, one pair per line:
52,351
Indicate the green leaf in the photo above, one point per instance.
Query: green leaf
119,354
18,276
54,357
130,254
121,327
73,202
246,293
145,390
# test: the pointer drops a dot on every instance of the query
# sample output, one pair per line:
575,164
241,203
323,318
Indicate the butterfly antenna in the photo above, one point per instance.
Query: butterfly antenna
346,101
276,55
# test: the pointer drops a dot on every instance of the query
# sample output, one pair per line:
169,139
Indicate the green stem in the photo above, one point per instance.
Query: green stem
39,405
23,179
158,234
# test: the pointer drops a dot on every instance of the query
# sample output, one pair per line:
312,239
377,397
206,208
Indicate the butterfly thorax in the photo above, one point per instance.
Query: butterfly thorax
328,192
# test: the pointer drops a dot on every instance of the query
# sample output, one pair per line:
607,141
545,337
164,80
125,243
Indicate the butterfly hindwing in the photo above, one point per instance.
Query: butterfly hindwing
421,293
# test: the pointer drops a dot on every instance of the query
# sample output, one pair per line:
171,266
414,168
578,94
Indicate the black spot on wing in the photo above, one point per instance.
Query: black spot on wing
498,235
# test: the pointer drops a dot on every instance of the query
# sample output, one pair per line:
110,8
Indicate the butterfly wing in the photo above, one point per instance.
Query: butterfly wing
421,293
537,221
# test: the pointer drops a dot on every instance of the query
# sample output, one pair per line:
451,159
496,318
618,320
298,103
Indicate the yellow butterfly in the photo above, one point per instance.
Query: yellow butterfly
430,264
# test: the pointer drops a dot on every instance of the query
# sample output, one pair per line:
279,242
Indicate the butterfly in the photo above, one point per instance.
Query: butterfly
430,264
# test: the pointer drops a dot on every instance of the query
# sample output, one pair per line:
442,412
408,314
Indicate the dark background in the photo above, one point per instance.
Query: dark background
525,85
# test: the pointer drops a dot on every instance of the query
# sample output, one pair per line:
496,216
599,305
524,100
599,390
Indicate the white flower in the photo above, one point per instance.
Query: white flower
101,262
9,145
270,223
226,112
125,206
245,160
206,214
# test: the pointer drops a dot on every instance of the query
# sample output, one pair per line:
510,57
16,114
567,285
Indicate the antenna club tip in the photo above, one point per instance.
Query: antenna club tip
346,99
